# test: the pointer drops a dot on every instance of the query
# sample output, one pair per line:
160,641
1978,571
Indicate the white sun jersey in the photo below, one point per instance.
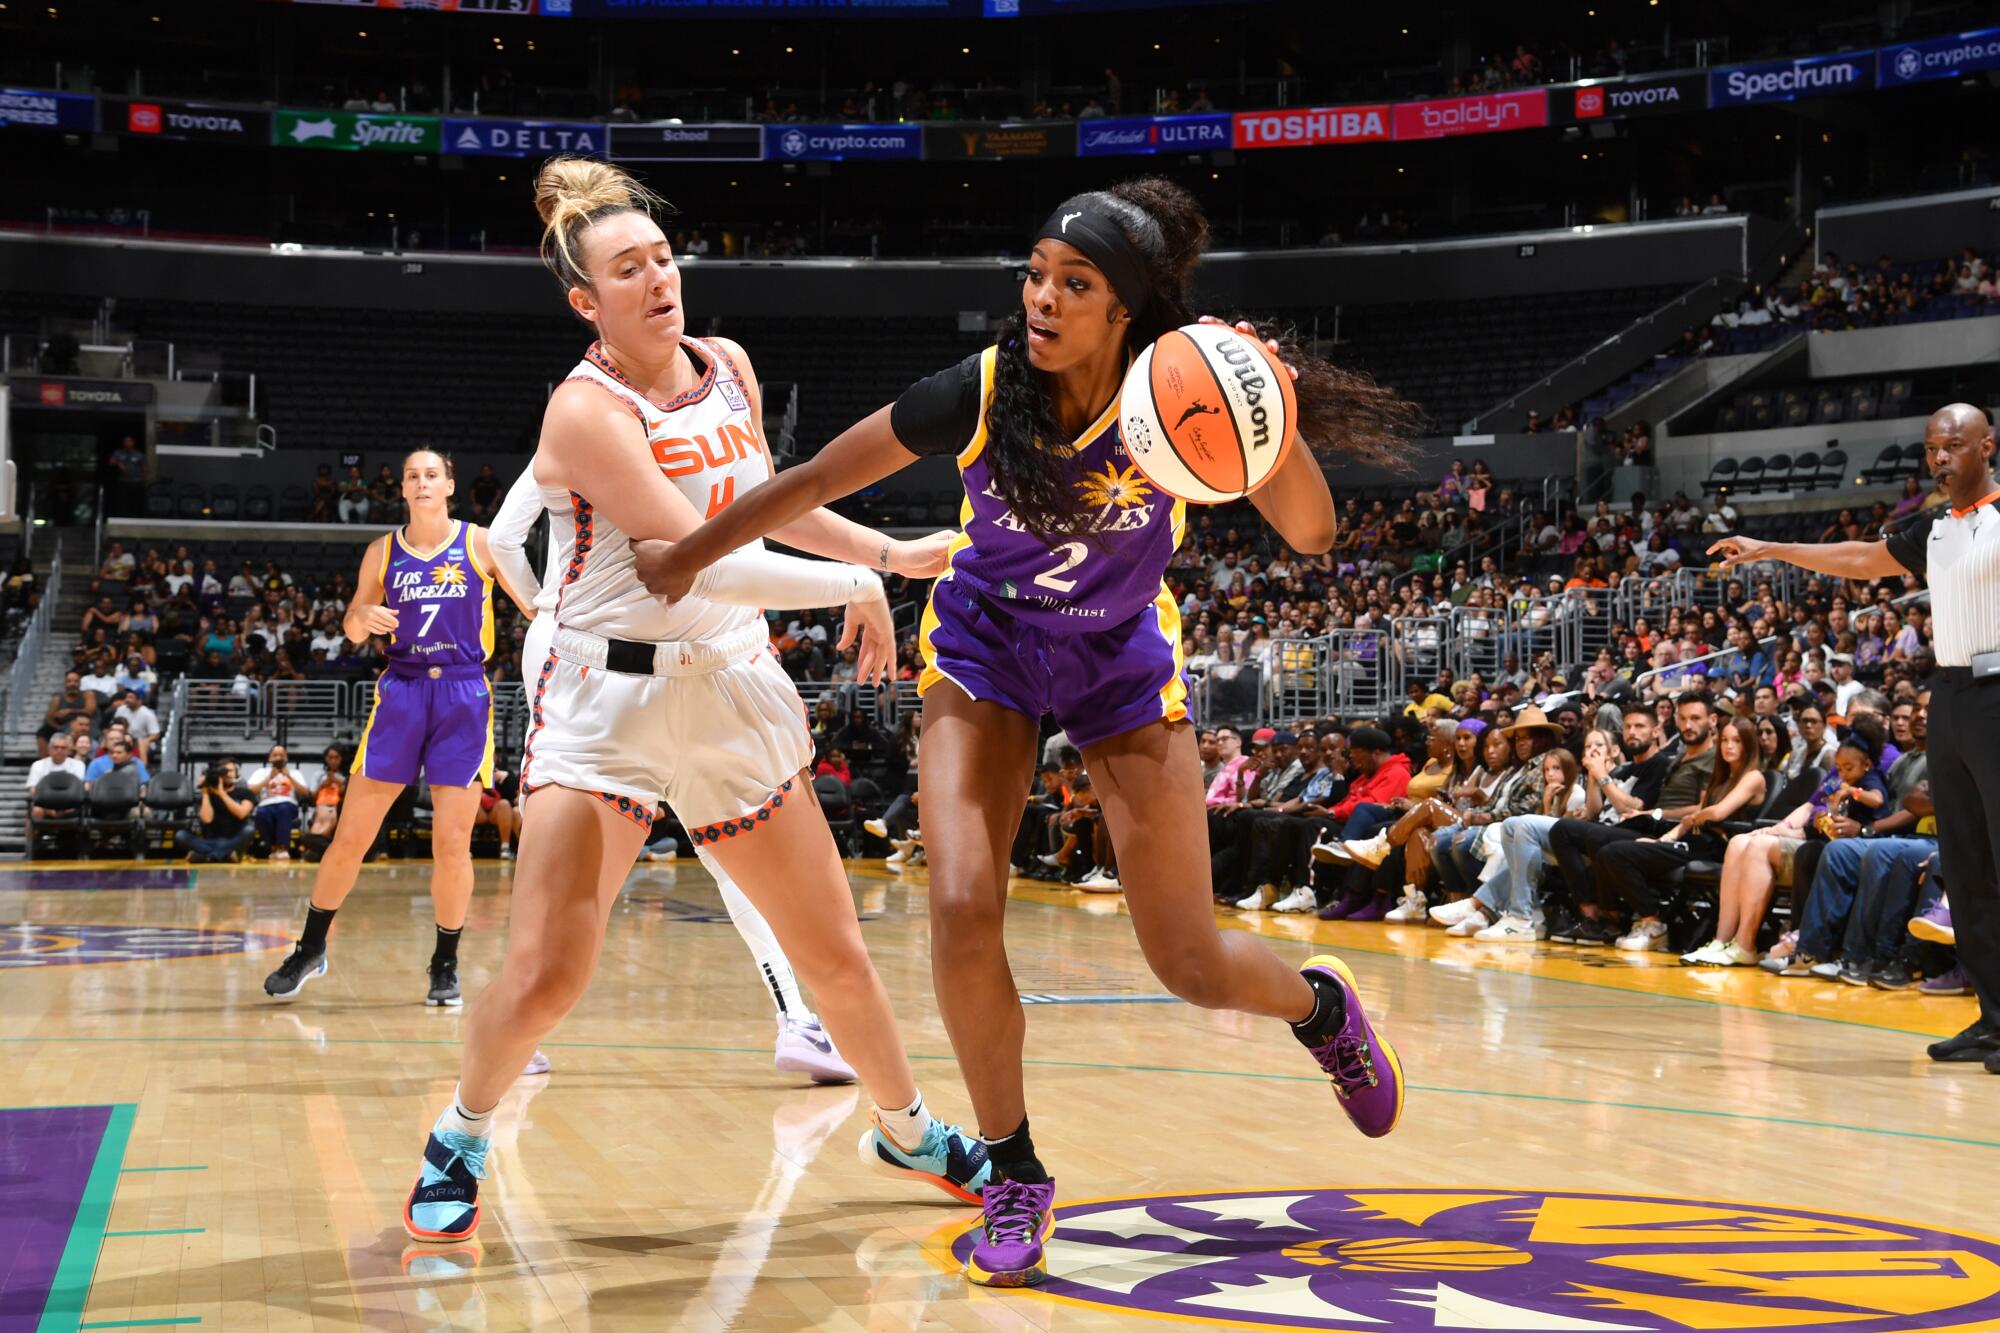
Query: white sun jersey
707,445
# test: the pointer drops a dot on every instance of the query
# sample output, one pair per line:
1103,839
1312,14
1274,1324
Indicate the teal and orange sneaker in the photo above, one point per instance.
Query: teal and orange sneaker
948,1158
443,1207
1015,1219
1357,1060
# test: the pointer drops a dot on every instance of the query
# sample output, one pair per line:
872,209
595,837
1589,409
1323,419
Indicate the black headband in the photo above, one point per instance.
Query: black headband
1083,223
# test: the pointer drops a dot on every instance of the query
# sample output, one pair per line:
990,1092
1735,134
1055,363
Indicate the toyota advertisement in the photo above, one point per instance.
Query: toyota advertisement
1655,95
160,118
842,143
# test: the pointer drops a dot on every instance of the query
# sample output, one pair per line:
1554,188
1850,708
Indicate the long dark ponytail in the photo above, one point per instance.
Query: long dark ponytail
1340,411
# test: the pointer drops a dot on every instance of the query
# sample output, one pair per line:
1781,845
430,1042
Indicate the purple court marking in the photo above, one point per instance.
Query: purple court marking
45,1161
28,944
30,881
1408,1258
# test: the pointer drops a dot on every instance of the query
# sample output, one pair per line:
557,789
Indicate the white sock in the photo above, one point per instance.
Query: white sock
458,1120
908,1125
772,964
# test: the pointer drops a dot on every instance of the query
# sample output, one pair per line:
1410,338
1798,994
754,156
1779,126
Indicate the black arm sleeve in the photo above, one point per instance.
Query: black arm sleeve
1909,545
940,414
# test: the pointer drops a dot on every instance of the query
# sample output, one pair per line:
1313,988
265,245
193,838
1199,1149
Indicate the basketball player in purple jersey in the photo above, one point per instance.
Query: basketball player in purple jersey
429,588
1053,602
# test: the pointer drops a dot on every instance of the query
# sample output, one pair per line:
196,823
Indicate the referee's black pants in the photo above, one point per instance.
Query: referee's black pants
1965,784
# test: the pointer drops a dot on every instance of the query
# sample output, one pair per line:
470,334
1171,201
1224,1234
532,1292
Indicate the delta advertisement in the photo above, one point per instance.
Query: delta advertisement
843,143
521,138
48,111
355,131
1940,58
1488,113
1152,134
1791,80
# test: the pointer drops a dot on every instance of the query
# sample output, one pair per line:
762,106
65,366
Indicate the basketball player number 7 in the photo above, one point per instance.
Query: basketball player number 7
430,616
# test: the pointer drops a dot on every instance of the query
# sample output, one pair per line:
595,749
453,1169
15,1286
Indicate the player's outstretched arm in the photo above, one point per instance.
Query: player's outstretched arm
858,457
488,554
1849,560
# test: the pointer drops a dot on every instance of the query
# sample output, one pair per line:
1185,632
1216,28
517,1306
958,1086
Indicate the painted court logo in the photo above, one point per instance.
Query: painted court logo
27,944
1367,1259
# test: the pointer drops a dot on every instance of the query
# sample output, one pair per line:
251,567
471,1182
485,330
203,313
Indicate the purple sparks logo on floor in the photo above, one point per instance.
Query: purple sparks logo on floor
28,944
1355,1260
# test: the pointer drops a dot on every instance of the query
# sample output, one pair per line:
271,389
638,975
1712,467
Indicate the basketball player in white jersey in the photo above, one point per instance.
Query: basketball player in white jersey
803,1046
638,699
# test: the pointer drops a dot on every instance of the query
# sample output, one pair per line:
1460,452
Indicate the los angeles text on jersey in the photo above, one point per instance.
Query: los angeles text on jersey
414,585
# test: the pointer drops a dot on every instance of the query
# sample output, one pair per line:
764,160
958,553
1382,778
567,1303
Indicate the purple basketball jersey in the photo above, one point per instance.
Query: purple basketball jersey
1074,585
443,603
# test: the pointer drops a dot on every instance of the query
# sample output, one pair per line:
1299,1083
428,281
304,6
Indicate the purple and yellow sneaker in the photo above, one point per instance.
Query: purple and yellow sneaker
1360,1064
1015,1219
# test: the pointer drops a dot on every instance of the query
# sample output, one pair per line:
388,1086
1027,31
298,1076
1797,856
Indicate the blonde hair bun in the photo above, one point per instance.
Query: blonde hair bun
573,192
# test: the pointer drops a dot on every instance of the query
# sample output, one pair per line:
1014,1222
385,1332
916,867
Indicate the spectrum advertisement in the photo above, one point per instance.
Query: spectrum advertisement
1790,80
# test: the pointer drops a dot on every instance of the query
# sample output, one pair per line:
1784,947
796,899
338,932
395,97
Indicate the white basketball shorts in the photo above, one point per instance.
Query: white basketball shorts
717,730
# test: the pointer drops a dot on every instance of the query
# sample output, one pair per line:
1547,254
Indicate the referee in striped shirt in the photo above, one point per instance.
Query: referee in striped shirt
1957,550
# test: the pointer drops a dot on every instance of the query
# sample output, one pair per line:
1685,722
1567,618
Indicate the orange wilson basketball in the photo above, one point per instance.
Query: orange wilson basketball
1207,413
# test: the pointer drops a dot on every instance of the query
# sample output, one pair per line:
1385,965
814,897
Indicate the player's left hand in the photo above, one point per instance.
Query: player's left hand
1246,327
657,568
923,557
870,622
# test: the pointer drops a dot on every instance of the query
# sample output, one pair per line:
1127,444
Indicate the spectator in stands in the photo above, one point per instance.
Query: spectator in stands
485,494
1635,875
385,496
101,679
69,704
61,758
118,565
142,724
497,806
277,790
118,754
1654,780
1870,882
356,500
325,496
103,614
222,817
1754,862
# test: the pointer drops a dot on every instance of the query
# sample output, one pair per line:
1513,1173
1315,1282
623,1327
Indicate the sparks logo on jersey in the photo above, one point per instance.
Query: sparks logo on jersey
32,945
1122,489
1508,1259
441,582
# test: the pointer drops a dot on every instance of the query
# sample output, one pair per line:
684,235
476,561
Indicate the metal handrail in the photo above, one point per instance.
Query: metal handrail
33,641
1645,676
1583,358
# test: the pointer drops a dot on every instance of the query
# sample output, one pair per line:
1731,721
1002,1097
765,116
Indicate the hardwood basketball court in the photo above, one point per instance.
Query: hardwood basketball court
188,1153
